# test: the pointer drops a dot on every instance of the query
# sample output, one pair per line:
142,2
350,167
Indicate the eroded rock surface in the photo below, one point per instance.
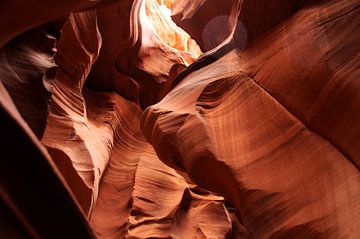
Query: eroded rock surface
124,133
268,124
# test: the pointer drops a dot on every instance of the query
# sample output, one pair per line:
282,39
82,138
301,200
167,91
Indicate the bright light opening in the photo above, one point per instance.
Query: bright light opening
166,12
158,13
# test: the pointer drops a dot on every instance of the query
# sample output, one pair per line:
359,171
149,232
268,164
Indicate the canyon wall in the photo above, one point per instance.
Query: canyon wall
118,125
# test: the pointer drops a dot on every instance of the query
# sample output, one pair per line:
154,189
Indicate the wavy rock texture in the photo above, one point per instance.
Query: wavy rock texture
159,14
208,22
69,134
96,141
27,72
126,62
140,197
268,129
258,138
210,25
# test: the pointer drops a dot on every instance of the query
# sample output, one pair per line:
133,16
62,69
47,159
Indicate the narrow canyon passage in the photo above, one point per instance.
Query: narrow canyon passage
180,119
158,13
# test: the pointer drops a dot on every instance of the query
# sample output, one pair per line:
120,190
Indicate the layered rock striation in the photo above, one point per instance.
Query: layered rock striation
119,124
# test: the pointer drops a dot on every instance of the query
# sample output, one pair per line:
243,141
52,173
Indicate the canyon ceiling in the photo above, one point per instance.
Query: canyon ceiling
180,119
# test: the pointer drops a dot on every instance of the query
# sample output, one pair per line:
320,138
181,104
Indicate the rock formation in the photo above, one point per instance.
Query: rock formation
117,123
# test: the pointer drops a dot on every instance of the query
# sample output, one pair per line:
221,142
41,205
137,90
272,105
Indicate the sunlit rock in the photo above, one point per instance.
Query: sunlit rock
180,119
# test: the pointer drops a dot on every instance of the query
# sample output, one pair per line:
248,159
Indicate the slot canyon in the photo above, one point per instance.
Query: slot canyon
180,119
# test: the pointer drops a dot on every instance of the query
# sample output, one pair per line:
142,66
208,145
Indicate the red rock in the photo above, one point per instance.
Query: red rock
21,16
267,122
126,61
258,138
